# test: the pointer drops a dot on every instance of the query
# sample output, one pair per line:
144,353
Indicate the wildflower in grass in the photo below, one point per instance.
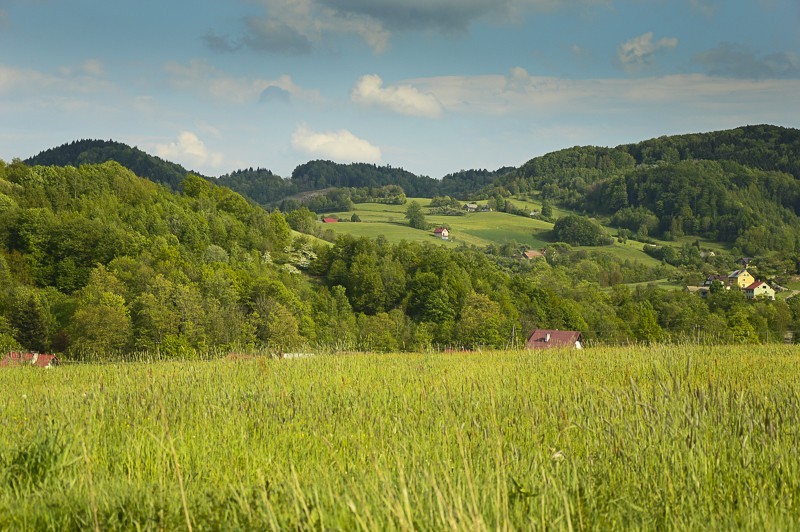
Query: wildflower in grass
557,456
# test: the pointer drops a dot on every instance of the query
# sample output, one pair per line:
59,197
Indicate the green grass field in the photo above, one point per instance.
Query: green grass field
479,229
624,438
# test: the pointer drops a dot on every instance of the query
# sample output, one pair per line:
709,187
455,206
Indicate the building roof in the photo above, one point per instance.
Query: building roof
738,273
546,338
755,285
533,254
330,220
439,230
695,289
31,359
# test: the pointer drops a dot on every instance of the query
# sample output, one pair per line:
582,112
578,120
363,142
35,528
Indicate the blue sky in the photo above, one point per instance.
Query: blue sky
433,86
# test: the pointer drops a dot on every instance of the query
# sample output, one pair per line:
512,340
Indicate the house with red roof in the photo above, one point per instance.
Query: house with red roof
441,232
330,220
29,359
548,338
759,289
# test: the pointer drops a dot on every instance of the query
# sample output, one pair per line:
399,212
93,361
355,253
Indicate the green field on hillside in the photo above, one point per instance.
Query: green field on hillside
681,437
479,229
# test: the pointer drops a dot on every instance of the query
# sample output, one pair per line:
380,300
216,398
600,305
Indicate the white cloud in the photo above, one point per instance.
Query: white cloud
188,149
32,83
340,146
199,76
521,94
403,99
640,51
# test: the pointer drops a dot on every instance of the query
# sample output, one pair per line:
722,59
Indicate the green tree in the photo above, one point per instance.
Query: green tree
102,322
29,314
415,216
481,323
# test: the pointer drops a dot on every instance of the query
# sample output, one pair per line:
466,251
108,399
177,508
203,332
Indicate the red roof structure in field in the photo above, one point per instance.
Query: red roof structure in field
29,359
330,220
547,338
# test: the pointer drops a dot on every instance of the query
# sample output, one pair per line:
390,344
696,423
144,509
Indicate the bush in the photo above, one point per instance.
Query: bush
580,231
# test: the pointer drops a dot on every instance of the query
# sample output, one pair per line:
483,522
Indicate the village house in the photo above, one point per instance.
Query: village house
470,207
441,232
330,220
532,254
29,359
741,278
759,289
547,338
701,291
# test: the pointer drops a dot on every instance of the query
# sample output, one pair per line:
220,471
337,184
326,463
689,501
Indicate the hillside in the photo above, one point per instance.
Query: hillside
96,262
739,187
99,151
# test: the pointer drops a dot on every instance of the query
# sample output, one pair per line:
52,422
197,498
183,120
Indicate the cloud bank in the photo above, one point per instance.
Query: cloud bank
402,99
298,26
340,146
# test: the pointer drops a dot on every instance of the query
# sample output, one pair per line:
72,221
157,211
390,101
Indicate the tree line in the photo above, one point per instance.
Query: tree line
95,261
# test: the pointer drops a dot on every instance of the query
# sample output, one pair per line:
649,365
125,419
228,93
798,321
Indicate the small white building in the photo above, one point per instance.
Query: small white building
442,233
759,289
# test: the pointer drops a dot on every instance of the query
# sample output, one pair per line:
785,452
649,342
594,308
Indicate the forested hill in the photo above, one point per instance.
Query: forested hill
316,175
738,186
765,147
88,151
262,185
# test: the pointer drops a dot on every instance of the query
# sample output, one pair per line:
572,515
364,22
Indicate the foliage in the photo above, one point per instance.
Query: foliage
580,231
415,216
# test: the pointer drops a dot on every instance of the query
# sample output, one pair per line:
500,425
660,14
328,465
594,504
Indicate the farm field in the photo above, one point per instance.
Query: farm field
662,437
479,229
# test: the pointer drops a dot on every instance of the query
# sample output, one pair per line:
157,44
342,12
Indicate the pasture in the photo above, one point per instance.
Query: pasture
664,437
479,229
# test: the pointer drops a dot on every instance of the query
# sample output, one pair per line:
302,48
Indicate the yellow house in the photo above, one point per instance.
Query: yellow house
741,278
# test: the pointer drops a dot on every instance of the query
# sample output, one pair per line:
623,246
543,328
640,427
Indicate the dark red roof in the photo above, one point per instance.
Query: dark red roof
330,220
14,358
755,285
440,230
546,338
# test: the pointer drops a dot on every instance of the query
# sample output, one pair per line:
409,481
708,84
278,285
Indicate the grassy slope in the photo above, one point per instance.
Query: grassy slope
624,438
479,228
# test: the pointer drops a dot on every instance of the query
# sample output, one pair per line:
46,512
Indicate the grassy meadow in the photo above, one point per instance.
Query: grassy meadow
479,228
608,438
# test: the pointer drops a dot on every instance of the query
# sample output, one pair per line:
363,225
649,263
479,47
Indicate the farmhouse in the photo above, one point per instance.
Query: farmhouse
741,278
759,289
29,359
532,254
330,220
702,291
546,338
441,232
470,207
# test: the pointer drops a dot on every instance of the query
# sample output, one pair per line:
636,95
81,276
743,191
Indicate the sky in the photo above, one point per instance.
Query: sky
432,86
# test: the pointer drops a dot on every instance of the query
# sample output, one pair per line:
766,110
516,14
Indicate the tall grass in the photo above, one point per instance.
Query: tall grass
653,438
